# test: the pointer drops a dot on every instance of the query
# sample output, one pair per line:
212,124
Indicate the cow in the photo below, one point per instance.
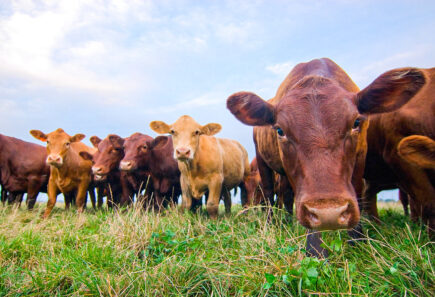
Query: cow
254,189
22,169
69,172
313,132
412,122
154,156
205,162
105,169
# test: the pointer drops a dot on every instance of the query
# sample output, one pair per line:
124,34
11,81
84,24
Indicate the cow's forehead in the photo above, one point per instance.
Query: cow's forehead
186,123
325,106
136,138
58,135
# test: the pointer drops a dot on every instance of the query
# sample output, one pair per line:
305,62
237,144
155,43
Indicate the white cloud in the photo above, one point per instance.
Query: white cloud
281,69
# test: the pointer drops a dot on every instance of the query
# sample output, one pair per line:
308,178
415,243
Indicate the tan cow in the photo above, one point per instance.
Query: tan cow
69,172
419,150
205,162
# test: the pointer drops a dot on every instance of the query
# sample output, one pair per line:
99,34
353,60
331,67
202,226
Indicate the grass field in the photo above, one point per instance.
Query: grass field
132,253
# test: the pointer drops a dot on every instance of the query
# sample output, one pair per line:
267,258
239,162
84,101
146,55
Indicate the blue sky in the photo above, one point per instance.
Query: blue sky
100,67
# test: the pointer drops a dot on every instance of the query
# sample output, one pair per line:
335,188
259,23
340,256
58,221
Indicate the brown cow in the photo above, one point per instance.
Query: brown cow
314,132
254,189
69,173
154,156
105,169
385,134
23,168
205,162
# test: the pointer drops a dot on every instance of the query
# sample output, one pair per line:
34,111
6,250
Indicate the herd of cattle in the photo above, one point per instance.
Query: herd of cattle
321,145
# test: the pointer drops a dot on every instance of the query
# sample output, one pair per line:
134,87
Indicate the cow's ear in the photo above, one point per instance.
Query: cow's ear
158,142
116,141
419,150
160,127
86,155
39,135
77,137
390,91
211,129
250,109
95,140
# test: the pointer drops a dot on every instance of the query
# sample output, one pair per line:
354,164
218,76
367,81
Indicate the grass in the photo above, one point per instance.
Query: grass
131,253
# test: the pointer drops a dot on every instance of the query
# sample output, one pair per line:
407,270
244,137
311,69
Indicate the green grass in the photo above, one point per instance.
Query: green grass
132,253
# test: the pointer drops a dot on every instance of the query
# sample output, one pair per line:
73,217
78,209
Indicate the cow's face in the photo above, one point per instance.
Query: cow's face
320,129
185,135
108,156
58,144
137,152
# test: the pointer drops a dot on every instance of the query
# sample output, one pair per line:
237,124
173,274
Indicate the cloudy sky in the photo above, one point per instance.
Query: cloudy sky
100,67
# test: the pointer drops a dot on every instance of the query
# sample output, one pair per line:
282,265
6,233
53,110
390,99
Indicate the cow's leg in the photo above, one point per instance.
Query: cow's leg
314,248
227,200
215,188
19,199
91,191
32,193
286,192
82,192
186,197
100,194
370,203
52,192
267,179
403,197
4,195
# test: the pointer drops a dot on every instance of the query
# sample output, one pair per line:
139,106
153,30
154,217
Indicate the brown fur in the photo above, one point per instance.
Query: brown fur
385,134
206,163
22,169
72,173
321,152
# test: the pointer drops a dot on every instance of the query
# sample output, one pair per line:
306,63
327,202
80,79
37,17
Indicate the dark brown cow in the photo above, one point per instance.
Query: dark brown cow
386,131
314,132
69,173
254,189
105,169
23,168
155,157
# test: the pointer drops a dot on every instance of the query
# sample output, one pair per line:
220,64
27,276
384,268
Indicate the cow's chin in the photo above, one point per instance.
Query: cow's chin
100,177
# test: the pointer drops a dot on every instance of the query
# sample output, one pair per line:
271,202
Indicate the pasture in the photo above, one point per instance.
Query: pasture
135,253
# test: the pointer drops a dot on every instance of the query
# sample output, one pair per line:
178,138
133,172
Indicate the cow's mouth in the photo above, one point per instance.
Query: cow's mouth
100,177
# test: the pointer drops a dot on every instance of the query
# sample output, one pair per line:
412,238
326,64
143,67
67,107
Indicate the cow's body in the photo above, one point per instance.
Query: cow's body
313,132
386,131
69,172
206,163
23,168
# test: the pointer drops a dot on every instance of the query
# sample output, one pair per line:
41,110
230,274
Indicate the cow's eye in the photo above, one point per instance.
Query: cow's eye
356,124
197,132
279,131
48,142
172,132
144,147
67,144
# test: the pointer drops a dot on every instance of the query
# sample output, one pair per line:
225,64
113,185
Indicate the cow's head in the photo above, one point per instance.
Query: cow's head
136,149
321,129
58,144
185,135
109,154
418,150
